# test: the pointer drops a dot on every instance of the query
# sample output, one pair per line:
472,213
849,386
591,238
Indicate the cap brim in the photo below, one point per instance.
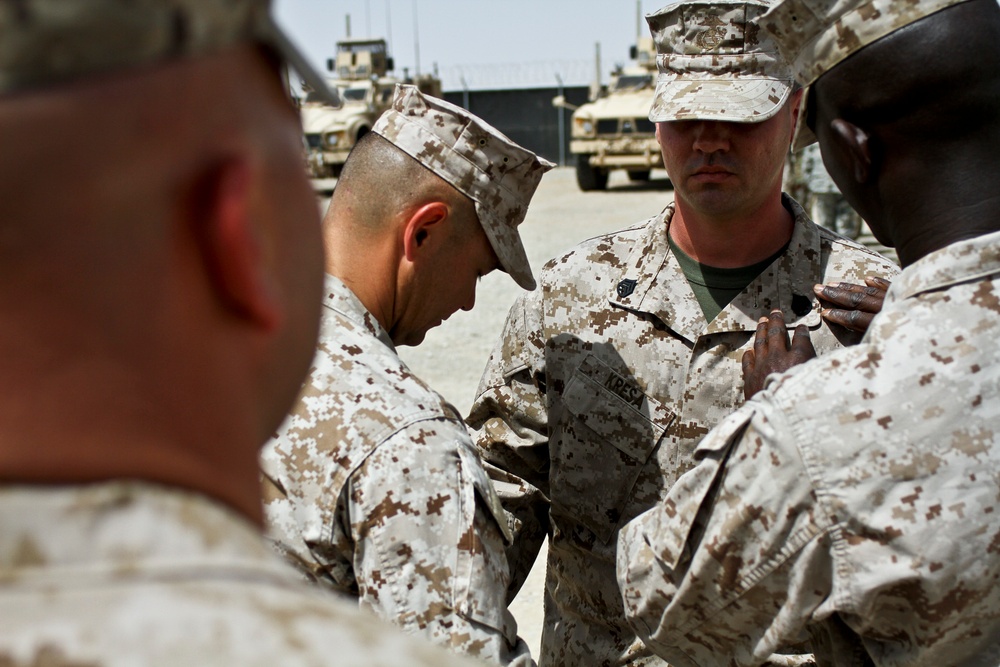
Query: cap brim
276,38
737,100
510,251
803,135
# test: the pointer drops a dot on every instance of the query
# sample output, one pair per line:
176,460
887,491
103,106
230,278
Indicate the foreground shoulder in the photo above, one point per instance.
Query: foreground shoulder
846,253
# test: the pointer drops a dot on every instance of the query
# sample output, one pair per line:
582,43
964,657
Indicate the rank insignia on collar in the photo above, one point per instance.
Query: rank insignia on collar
800,304
625,288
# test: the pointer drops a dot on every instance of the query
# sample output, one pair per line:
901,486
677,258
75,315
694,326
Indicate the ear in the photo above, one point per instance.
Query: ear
424,229
795,104
232,244
856,144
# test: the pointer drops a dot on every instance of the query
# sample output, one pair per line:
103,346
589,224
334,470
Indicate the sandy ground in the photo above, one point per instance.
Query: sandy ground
452,356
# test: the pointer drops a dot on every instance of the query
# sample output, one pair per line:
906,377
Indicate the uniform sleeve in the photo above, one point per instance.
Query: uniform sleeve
429,544
735,563
509,424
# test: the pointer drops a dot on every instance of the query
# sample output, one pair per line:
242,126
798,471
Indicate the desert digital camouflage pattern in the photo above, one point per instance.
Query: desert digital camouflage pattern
125,573
604,381
373,489
479,161
857,499
46,41
815,35
715,63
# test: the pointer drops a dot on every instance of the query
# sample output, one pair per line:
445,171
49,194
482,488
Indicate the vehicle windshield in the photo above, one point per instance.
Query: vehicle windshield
634,81
354,94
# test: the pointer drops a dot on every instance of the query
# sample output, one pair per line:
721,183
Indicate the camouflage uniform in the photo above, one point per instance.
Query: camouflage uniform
855,499
125,573
852,502
600,388
374,489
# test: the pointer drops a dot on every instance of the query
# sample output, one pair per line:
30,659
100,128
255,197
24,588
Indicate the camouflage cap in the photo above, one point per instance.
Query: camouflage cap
715,64
815,35
44,42
480,162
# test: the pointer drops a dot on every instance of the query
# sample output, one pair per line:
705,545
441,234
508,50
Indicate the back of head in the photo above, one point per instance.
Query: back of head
150,159
378,182
920,82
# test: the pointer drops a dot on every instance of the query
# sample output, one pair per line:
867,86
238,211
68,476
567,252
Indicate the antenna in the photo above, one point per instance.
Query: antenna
368,17
388,27
348,26
416,39
638,20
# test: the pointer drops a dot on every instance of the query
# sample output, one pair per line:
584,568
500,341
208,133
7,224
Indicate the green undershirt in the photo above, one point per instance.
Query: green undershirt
714,287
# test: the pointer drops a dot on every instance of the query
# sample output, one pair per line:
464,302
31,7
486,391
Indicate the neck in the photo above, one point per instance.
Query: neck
933,230
83,417
727,243
369,270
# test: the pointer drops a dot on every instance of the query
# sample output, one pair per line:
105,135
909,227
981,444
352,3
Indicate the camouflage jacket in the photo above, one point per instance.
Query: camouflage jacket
856,500
373,488
124,573
602,384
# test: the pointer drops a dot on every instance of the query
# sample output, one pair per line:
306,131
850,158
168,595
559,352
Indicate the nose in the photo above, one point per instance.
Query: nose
711,136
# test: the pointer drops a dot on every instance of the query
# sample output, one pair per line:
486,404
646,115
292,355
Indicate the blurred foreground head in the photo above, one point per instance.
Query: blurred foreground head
160,257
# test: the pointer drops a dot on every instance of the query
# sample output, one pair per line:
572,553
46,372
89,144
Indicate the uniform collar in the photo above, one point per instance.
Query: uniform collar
653,282
959,262
338,297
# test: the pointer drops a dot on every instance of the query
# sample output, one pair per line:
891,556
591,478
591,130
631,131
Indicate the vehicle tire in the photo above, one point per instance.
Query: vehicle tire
638,175
590,178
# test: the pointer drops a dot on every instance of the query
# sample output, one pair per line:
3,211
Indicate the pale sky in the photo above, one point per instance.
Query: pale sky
489,43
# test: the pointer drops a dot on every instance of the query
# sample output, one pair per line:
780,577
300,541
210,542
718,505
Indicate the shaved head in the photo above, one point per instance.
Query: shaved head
379,181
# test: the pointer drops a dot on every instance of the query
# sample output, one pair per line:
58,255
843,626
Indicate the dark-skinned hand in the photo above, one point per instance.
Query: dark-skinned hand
772,351
852,306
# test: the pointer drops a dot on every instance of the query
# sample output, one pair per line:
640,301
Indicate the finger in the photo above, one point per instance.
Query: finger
760,337
748,362
777,333
852,297
855,320
801,343
878,283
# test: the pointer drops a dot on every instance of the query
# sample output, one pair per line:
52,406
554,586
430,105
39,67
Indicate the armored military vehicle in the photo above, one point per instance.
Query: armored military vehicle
361,73
613,130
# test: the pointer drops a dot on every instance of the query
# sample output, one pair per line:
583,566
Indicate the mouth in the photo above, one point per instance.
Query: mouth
711,174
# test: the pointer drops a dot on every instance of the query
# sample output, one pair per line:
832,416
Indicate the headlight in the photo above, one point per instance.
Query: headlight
331,140
583,127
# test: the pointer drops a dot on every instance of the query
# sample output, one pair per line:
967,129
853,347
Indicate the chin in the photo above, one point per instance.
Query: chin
411,340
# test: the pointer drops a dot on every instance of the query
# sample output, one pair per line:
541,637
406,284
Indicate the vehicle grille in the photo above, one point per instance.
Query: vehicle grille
315,140
607,126
625,126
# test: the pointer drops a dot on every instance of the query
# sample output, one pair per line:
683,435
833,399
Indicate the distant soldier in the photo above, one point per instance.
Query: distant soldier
822,197
373,487
607,376
854,503
160,281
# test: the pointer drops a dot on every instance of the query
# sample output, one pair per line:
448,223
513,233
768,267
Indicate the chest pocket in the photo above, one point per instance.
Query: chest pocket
609,432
